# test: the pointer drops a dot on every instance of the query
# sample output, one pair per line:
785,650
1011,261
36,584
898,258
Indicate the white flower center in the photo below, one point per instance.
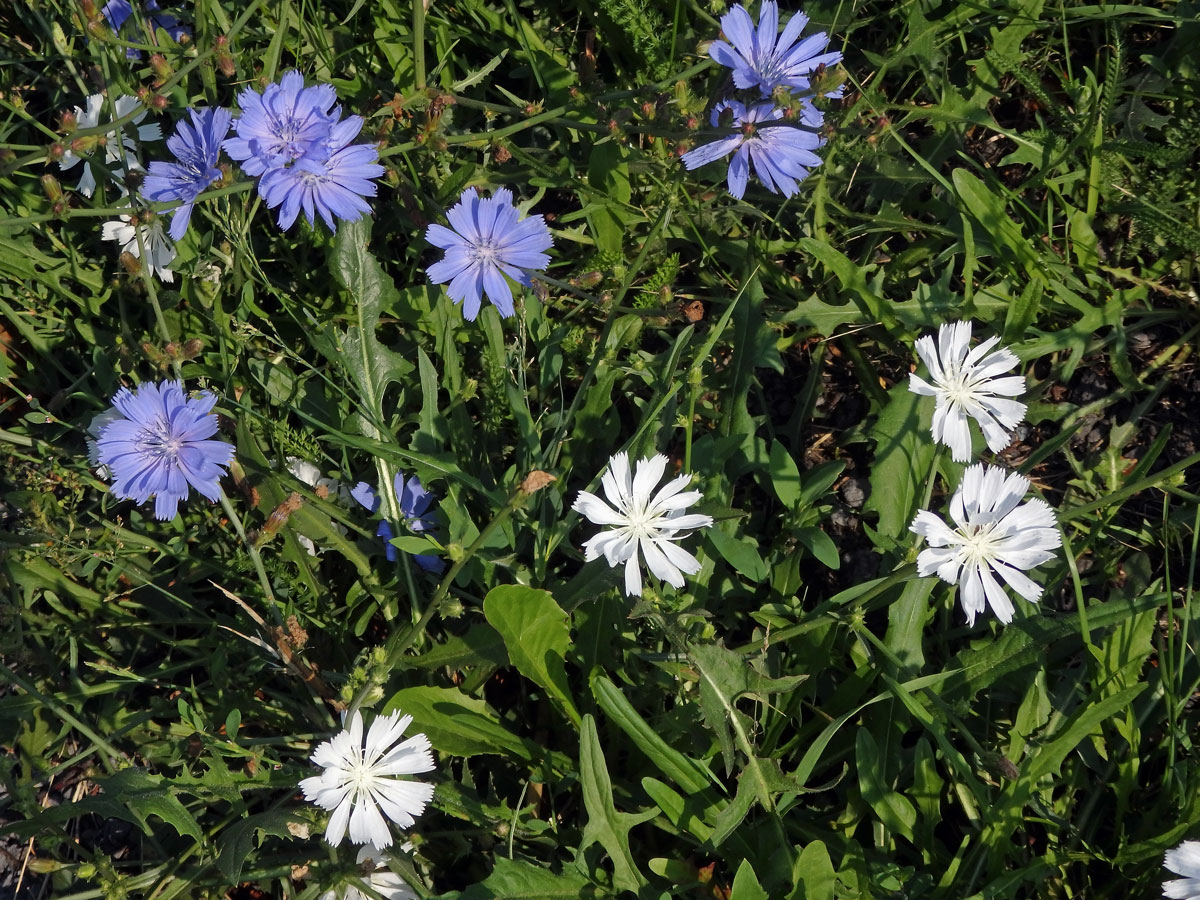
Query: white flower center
979,543
485,251
960,390
361,775
158,439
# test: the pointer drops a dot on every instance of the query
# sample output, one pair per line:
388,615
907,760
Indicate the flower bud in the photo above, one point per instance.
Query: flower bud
131,263
52,188
69,121
89,9
56,152
97,29
159,102
160,67
192,348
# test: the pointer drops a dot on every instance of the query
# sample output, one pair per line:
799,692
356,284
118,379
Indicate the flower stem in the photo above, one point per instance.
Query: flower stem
255,556
419,43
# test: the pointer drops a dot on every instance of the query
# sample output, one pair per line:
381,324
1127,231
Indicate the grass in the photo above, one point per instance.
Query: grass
805,718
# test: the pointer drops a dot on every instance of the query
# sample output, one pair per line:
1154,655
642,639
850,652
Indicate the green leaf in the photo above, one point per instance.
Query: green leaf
814,870
745,884
144,794
724,677
686,772
535,632
605,826
903,456
892,809
739,552
459,725
236,844
820,545
785,477
515,879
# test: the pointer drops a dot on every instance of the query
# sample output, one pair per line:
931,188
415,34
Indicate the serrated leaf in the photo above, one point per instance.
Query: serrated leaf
235,843
606,826
535,632
724,677
144,794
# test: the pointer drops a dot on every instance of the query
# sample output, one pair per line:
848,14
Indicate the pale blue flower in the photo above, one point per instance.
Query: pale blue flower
761,57
282,124
782,154
159,447
330,180
489,240
414,502
197,148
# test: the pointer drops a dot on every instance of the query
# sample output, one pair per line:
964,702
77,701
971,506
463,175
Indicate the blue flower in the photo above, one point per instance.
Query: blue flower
414,502
762,58
117,13
197,148
282,124
782,154
488,239
158,447
330,179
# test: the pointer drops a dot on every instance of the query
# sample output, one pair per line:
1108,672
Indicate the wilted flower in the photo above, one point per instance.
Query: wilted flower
965,383
761,57
361,780
160,446
489,240
90,118
782,154
1183,860
329,180
197,148
380,879
159,249
993,535
640,521
414,501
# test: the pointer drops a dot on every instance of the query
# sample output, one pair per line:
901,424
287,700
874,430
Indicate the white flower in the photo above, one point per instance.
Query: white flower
639,520
159,249
993,535
1183,860
359,780
379,878
965,384
303,470
90,118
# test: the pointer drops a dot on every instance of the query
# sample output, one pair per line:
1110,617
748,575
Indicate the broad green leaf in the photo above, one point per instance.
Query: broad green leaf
685,814
605,826
745,884
903,456
907,616
535,632
785,477
515,879
739,552
459,725
814,871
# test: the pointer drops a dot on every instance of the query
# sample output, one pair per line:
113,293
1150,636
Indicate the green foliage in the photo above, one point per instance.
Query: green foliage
805,717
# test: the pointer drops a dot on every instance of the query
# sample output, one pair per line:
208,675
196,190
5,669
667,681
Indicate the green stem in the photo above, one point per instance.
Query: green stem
419,43
255,556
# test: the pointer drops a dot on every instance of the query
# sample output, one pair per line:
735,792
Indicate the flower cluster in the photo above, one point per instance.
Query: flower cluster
994,534
777,137
293,138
